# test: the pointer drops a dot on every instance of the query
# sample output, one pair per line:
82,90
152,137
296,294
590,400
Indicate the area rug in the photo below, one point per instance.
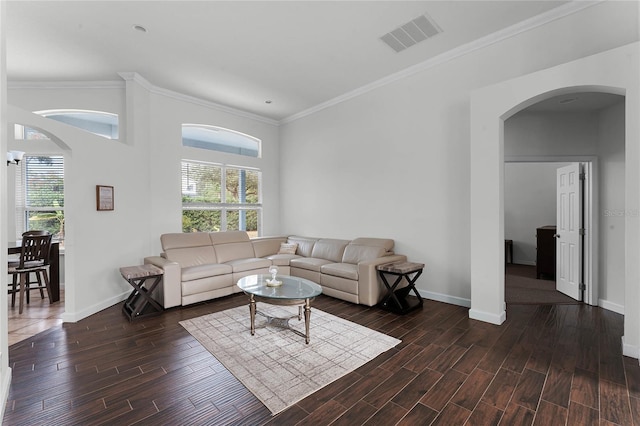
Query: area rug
275,364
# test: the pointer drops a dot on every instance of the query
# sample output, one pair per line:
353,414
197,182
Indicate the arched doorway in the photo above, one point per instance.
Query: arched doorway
492,105
42,172
578,127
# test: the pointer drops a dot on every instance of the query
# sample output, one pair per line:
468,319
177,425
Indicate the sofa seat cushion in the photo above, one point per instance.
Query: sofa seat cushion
282,259
241,265
309,263
343,270
191,273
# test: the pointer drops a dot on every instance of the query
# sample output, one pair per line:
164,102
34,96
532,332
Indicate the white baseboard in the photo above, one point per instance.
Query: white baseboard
439,297
459,301
4,391
610,306
630,350
488,317
77,316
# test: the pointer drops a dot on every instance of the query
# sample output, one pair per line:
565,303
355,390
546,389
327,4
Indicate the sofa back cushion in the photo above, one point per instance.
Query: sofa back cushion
305,245
329,249
232,245
386,243
267,246
188,249
355,254
364,249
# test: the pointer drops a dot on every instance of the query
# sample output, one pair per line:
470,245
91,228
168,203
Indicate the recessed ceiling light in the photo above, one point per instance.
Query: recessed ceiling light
567,100
140,28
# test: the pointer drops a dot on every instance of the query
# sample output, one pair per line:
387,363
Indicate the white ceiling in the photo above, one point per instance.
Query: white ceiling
297,54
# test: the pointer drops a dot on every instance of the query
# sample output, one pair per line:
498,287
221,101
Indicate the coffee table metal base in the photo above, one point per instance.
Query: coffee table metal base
304,305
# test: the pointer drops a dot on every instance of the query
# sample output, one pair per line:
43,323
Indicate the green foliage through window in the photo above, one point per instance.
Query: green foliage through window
40,195
219,198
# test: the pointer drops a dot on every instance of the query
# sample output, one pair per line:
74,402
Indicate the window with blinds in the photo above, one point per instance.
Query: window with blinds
219,198
40,195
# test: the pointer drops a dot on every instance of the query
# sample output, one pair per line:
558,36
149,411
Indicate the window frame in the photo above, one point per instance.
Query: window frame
223,206
217,146
69,113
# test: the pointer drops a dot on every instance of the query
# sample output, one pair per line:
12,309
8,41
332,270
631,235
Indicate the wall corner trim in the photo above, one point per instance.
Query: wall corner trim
77,316
630,350
488,316
4,390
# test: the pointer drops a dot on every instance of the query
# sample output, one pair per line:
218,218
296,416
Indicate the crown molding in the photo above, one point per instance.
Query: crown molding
144,83
213,105
52,85
137,78
498,36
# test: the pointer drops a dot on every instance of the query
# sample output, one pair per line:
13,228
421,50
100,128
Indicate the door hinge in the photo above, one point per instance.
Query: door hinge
583,231
582,286
583,176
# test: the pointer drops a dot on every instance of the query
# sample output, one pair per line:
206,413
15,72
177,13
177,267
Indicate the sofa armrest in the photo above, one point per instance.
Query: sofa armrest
170,292
370,287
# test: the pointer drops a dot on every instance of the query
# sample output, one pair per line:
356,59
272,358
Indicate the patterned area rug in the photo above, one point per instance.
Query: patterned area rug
275,364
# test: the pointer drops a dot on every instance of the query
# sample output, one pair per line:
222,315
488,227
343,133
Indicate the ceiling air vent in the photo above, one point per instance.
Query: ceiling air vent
412,32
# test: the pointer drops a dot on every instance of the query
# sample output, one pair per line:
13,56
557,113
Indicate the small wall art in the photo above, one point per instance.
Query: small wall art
104,197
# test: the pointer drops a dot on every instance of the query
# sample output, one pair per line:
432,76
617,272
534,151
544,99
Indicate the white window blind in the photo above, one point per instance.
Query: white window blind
40,195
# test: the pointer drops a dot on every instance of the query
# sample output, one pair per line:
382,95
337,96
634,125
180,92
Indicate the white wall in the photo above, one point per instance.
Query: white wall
395,161
5,371
529,203
536,134
144,168
611,155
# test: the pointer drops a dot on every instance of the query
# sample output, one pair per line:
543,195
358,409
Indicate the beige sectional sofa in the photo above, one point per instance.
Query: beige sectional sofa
202,266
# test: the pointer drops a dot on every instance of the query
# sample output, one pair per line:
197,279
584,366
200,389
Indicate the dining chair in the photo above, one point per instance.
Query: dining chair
34,258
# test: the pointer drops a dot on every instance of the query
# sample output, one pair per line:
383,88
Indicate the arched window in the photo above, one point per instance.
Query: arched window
219,139
99,123
21,132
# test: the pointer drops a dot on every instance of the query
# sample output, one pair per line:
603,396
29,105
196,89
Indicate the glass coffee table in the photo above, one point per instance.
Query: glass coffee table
293,291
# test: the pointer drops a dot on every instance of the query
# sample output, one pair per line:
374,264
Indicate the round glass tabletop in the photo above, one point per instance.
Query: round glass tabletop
292,288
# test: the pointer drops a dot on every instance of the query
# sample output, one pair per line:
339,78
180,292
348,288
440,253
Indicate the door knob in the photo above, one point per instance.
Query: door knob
556,235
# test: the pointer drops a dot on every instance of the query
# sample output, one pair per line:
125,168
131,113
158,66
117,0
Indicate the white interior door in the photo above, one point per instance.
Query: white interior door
568,233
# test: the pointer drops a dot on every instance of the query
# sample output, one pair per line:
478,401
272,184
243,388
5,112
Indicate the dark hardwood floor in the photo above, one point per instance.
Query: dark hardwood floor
546,365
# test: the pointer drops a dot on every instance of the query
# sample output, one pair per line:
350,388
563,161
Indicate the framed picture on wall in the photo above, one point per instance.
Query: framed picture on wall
104,197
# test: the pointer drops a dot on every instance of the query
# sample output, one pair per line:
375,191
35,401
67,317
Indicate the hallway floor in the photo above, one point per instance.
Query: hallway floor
39,315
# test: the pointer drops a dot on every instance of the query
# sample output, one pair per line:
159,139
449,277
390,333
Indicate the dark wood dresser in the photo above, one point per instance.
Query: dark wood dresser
546,252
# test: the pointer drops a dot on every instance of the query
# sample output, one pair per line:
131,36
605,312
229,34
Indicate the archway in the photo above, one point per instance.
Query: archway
579,127
54,147
615,72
